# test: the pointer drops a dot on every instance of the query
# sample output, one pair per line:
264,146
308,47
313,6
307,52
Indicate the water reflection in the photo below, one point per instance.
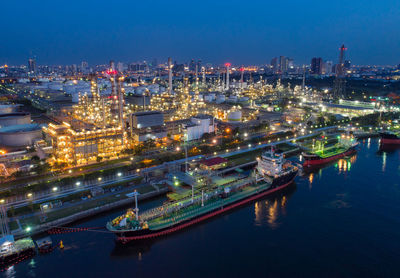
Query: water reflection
310,180
342,165
267,211
384,148
133,249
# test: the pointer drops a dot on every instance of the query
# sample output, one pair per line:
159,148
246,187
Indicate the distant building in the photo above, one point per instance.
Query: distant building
328,66
347,64
85,67
120,67
198,126
274,64
32,68
214,163
283,64
316,65
147,125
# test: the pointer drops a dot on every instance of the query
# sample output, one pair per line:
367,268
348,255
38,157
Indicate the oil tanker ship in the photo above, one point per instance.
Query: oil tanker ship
390,137
271,174
322,153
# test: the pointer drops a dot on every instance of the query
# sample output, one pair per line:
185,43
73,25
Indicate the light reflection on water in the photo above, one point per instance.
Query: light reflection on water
267,212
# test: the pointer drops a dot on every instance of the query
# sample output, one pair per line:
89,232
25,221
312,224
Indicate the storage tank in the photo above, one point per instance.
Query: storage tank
20,135
208,98
17,118
235,116
8,108
220,99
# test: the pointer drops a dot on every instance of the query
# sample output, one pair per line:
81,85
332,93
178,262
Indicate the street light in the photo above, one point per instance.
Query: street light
55,188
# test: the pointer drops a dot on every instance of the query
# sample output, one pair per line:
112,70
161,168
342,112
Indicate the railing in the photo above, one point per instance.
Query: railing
207,207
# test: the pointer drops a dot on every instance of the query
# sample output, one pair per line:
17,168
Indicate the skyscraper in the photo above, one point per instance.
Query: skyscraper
283,64
84,67
32,66
347,64
316,65
328,65
274,64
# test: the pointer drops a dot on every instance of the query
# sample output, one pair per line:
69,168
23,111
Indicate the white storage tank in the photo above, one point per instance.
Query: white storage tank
17,118
235,116
8,108
20,135
220,99
208,98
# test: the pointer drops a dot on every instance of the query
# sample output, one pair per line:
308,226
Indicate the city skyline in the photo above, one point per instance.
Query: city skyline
213,32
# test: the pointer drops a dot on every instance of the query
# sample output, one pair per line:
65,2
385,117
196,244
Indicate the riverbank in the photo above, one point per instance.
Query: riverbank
40,228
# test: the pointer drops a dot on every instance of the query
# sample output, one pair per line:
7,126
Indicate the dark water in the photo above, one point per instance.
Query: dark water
340,221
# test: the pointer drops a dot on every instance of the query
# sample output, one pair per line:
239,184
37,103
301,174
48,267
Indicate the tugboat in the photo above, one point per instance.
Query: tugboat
273,173
321,154
45,245
390,137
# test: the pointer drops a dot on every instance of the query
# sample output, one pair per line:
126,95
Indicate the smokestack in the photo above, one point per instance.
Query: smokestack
241,77
227,65
197,71
114,96
169,75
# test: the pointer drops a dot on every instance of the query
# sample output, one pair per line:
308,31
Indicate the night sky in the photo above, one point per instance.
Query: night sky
242,32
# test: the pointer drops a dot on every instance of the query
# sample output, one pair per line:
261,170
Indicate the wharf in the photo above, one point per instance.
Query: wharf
85,214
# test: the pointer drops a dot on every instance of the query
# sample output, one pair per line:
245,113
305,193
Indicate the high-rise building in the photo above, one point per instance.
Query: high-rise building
274,64
283,64
120,67
316,65
340,80
198,64
328,67
192,65
154,64
84,67
290,64
32,65
347,64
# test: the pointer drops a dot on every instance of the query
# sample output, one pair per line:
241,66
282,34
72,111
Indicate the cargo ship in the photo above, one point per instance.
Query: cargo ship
272,174
322,153
390,137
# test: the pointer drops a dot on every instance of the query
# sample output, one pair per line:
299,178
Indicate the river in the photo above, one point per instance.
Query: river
342,220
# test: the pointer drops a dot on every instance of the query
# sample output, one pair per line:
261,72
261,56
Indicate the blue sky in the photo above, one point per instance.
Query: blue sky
242,32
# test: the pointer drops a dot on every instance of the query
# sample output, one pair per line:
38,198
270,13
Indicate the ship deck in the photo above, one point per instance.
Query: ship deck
209,205
334,150
18,246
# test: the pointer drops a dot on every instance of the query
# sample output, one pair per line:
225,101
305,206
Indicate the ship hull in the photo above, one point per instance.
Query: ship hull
278,184
389,139
315,160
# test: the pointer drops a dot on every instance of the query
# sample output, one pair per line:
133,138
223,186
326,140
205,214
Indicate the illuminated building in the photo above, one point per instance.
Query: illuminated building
74,147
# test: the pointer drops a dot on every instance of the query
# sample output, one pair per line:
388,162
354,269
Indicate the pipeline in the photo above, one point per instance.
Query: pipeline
66,230
125,240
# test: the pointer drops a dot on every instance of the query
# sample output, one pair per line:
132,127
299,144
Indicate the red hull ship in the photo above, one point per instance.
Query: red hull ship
390,138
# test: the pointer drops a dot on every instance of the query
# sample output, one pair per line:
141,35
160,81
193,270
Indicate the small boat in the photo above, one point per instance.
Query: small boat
390,137
45,245
321,154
